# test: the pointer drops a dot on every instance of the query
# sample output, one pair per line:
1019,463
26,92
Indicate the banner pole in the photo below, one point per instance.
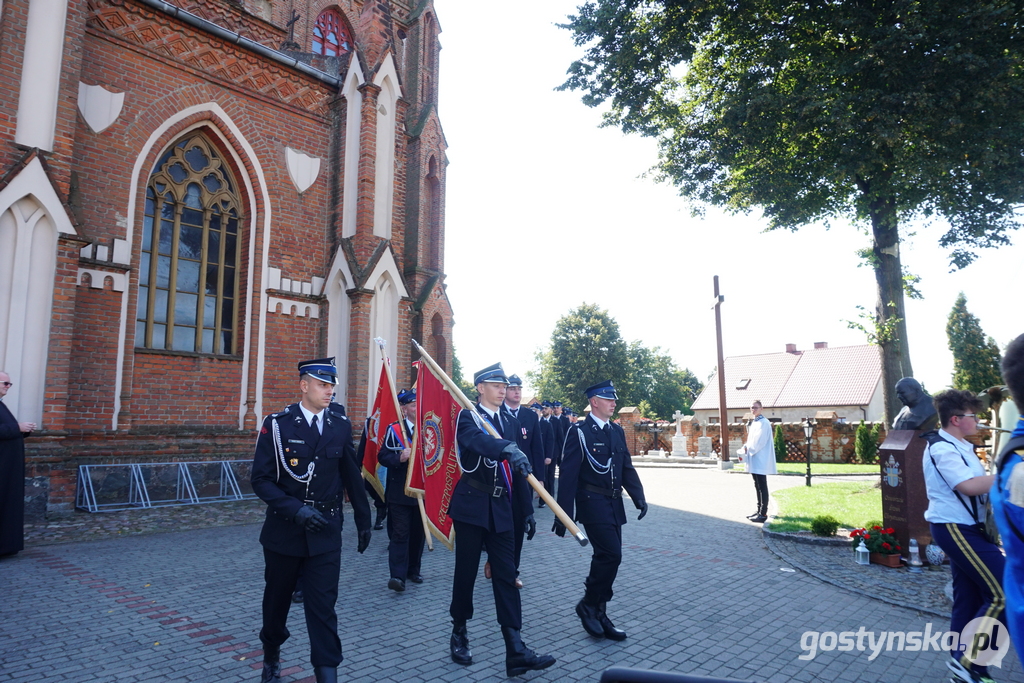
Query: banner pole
532,480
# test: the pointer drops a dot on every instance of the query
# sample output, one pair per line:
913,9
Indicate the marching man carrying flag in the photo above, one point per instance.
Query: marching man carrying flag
482,510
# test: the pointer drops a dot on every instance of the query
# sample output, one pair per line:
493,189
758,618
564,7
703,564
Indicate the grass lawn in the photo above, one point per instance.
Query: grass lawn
818,468
853,503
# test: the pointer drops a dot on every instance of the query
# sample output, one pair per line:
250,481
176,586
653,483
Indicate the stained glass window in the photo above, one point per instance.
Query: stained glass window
188,275
330,36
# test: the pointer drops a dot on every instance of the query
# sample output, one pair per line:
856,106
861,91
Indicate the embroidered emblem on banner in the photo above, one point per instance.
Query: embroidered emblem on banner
371,431
433,442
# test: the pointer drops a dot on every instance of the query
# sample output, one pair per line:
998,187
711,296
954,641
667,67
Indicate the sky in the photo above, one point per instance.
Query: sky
546,210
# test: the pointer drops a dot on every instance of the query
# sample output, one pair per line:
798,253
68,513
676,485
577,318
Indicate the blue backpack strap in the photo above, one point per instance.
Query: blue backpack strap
1015,445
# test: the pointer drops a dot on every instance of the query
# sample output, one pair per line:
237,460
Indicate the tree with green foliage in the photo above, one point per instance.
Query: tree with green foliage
879,112
586,348
654,378
780,444
468,389
976,357
865,442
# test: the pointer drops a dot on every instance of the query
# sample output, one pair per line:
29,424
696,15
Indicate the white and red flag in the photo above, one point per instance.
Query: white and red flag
434,465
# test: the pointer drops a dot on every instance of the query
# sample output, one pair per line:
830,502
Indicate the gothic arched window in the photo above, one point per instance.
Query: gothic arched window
191,251
330,36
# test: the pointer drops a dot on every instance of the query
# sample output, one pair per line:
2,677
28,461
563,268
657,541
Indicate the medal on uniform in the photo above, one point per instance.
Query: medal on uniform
294,462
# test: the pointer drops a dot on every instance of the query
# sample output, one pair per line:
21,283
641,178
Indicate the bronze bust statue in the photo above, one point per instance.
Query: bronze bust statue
918,411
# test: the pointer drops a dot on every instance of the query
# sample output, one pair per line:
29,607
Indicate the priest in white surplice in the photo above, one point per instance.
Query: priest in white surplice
759,454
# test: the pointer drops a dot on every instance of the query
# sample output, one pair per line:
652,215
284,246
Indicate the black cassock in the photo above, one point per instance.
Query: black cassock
12,484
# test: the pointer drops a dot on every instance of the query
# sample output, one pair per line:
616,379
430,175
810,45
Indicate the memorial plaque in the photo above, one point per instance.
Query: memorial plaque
904,497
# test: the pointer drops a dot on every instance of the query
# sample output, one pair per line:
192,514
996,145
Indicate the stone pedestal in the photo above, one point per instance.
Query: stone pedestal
704,447
904,497
725,464
679,445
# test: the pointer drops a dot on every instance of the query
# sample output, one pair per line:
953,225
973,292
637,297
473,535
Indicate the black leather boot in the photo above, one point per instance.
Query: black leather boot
588,614
518,658
610,632
271,665
326,674
461,654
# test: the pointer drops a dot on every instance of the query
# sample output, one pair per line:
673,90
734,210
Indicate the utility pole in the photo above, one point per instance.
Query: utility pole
723,417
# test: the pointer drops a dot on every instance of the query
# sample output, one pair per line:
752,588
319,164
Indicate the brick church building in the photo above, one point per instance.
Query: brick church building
195,195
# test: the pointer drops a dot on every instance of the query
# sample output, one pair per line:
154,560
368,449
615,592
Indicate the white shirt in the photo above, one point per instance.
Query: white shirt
600,423
309,418
956,463
759,449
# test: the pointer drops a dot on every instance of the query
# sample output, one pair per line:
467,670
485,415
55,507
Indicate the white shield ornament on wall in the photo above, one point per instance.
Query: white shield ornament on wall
99,106
302,168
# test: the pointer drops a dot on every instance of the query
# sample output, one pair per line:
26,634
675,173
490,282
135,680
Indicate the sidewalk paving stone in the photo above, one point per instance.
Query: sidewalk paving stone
699,591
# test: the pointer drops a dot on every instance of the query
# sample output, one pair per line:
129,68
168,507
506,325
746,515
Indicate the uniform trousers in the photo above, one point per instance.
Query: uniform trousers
761,486
606,540
549,478
320,575
977,569
470,541
519,532
405,551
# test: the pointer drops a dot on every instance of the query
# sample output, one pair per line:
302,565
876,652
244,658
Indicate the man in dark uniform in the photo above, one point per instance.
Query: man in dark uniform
481,510
596,466
551,433
528,438
303,457
405,528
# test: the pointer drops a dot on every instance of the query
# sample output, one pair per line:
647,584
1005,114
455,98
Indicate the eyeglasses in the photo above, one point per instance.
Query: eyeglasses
7,384
968,415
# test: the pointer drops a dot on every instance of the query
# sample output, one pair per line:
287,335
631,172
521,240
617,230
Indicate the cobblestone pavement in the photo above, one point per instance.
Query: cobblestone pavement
698,592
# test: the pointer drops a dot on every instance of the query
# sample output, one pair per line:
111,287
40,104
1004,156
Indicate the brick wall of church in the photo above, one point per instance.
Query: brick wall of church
93,358
179,406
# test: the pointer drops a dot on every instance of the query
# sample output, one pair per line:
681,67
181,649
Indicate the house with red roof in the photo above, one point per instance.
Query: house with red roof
846,380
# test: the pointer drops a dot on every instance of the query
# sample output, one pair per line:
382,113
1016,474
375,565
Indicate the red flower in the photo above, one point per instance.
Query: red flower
887,546
876,527
890,531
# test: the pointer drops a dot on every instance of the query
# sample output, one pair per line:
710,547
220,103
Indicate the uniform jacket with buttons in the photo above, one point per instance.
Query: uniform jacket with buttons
588,449
529,443
391,457
532,442
480,457
333,458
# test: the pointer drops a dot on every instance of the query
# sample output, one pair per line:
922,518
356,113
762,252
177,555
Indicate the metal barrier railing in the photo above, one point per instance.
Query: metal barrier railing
107,488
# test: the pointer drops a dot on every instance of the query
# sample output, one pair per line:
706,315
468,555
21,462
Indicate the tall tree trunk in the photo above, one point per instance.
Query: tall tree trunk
890,314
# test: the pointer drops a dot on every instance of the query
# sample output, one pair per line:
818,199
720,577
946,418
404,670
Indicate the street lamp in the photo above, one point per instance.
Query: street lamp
808,436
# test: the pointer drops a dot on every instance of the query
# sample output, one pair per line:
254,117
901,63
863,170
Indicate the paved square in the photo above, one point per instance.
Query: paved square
698,592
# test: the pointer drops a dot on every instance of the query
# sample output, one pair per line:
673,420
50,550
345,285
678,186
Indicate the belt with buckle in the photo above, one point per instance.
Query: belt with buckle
611,493
495,491
329,506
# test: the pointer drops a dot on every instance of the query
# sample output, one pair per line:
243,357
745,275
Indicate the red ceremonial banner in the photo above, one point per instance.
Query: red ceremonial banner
434,464
381,416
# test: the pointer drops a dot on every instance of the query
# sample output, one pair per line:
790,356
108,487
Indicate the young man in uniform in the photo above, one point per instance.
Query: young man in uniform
596,466
552,440
405,528
481,509
528,438
303,457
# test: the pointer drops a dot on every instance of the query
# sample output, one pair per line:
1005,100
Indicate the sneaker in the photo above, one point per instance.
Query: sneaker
964,675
